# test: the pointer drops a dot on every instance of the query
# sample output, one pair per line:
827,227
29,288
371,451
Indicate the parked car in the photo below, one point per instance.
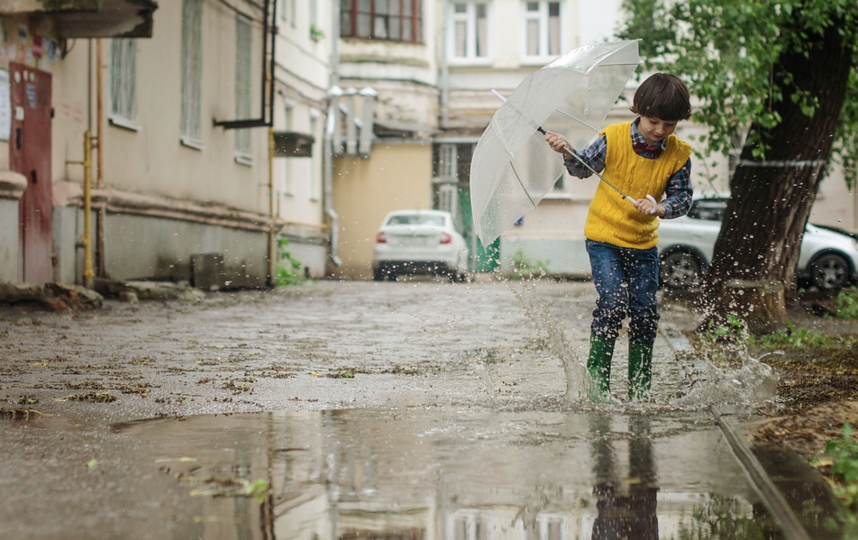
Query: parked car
419,242
828,257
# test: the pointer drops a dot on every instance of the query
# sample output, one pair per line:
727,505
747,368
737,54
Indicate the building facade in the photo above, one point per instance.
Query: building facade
200,140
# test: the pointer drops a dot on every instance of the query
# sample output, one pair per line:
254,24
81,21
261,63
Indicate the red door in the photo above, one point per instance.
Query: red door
30,155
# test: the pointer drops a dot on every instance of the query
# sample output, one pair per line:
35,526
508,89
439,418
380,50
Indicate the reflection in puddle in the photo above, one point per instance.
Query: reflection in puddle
453,475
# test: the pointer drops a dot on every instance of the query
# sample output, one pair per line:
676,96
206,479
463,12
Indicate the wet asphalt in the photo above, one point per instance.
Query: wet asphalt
414,409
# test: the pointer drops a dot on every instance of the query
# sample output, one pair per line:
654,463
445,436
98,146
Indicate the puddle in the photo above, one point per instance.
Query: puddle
452,474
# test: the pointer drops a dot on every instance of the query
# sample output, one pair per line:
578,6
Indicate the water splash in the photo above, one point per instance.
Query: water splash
578,381
750,382
696,381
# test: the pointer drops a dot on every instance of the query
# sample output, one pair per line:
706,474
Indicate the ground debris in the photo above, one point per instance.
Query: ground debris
94,397
25,414
808,431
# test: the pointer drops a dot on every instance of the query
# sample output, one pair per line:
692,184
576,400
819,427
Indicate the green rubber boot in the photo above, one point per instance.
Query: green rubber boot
640,371
599,367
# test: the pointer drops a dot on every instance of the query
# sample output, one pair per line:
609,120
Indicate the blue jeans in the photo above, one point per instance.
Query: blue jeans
626,280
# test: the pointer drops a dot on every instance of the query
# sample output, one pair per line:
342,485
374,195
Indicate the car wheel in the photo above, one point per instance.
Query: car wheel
378,275
829,271
680,270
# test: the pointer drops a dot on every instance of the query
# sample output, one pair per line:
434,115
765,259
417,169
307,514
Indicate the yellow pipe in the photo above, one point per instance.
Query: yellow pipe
87,210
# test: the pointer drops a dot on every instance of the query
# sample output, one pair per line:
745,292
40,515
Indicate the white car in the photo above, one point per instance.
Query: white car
828,258
419,242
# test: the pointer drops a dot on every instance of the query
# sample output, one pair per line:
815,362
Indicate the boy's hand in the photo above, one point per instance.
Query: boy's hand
648,207
557,143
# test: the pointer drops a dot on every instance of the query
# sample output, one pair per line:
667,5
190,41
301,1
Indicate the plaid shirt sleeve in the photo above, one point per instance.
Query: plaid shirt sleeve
678,193
594,156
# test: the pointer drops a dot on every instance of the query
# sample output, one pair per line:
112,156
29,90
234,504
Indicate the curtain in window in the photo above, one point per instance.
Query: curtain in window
192,70
395,20
123,79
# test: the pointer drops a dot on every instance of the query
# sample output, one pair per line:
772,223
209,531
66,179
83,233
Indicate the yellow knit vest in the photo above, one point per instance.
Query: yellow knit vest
614,220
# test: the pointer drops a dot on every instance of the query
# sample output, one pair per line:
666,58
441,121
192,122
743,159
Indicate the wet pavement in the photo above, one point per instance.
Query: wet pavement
357,410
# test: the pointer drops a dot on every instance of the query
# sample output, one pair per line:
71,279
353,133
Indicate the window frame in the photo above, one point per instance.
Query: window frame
543,20
243,147
351,17
190,128
471,20
123,84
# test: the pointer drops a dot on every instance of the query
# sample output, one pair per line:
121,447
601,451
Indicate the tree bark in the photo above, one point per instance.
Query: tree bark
771,199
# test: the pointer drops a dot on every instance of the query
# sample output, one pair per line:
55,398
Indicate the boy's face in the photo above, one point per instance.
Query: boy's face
655,129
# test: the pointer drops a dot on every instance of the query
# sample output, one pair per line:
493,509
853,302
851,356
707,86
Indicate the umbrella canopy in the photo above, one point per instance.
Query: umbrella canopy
513,168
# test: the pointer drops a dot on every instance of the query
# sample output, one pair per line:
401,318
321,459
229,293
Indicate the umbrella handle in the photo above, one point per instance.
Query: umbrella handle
654,204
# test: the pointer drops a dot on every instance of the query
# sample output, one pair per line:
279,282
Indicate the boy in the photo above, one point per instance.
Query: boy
641,158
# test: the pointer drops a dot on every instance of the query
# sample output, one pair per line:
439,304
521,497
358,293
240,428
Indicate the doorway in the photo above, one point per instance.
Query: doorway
30,155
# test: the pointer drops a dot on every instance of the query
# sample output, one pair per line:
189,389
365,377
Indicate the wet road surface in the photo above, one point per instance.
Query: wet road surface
356,410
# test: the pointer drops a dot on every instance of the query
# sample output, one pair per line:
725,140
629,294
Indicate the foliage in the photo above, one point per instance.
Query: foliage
316,33
847,304
798,338
844,474
524,268
257,490
288,268
729,52
725,342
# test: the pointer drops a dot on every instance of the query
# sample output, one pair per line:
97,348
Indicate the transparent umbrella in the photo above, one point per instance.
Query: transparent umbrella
513,168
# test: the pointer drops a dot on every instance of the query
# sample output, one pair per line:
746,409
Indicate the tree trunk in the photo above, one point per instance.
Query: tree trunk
771,199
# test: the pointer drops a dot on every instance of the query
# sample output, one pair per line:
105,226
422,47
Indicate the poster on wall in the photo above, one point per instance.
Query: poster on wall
5,105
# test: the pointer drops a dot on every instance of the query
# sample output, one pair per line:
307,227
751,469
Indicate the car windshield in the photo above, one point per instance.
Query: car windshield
416,219
708,209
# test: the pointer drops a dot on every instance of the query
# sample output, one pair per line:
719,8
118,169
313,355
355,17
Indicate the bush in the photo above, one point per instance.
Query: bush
523,268
288,268
847,304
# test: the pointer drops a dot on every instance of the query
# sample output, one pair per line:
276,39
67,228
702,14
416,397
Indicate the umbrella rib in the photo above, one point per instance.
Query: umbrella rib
517,177
575,118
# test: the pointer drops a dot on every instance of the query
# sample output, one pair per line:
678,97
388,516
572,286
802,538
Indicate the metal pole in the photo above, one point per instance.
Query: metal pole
99,146
272,240
87,210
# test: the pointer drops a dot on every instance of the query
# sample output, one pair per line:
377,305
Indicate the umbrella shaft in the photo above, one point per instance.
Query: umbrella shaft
594,171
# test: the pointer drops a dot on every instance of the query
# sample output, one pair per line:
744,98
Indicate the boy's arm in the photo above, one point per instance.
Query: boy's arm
594,156
678,194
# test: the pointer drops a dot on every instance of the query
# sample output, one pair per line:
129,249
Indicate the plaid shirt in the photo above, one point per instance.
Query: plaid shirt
678,192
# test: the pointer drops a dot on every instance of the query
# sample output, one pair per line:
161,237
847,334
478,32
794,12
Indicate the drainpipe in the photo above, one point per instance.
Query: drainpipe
272,243
445,69
87,210
99,146
333,113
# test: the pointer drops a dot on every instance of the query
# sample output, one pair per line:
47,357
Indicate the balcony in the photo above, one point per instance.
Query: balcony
88,18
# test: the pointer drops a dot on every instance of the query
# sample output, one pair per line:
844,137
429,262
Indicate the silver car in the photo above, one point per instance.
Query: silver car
419,242
828,258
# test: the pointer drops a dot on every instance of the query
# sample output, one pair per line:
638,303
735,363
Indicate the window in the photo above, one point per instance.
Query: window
469,34
315,171
447,162
395,20
242,87
541,29
123,82
287,123
192,72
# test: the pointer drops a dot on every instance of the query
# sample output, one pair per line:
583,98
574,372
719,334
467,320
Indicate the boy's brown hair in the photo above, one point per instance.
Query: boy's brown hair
662,96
